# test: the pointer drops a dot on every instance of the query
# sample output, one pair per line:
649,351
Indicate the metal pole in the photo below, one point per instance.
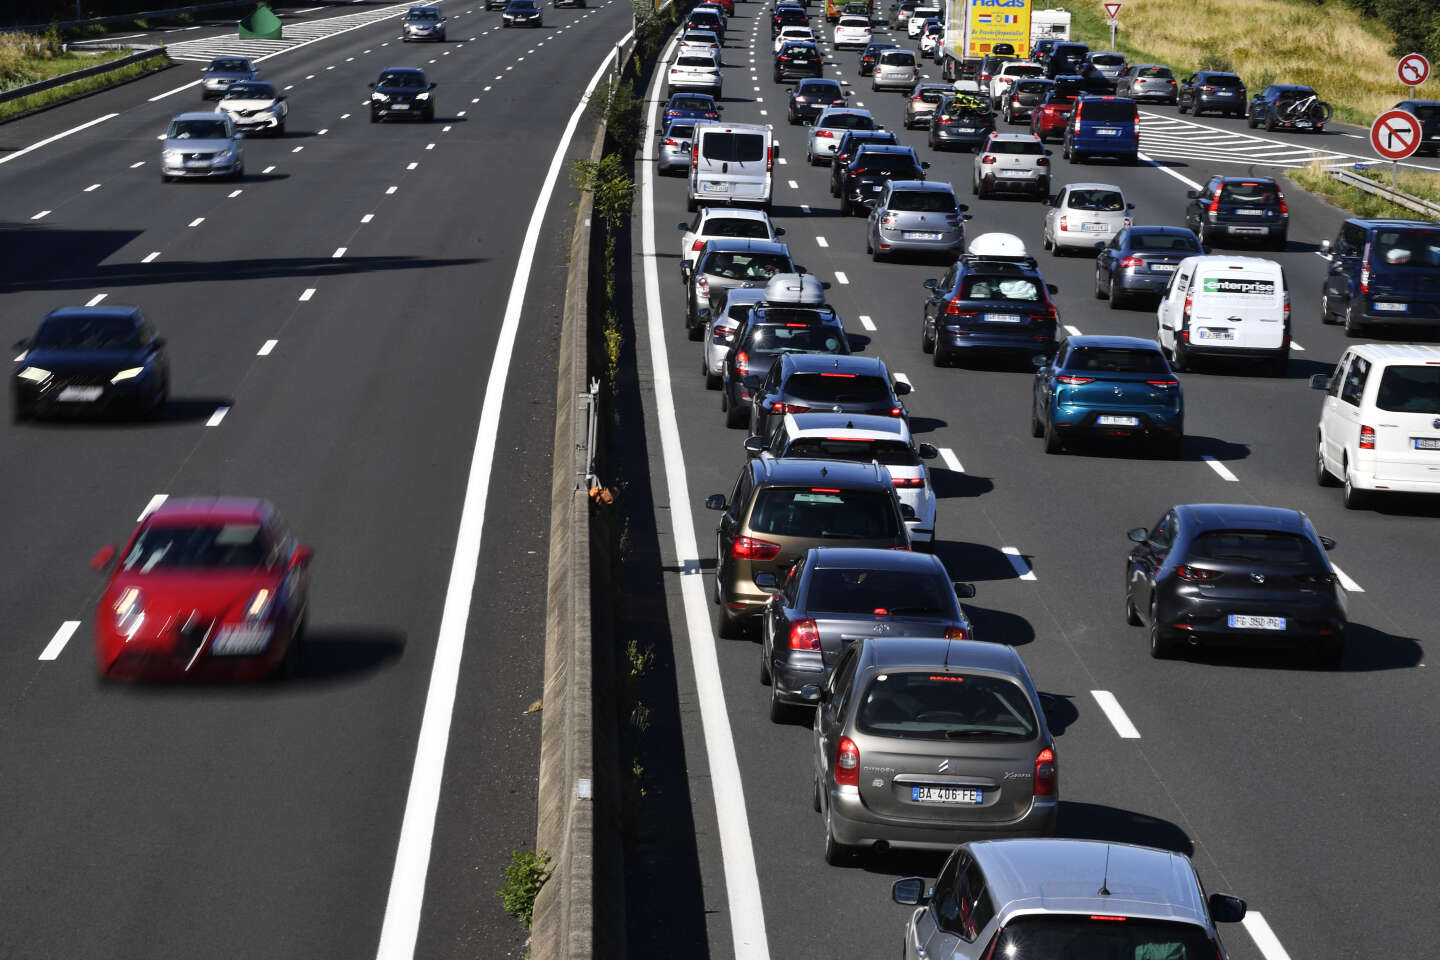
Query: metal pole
1113,24
1395,175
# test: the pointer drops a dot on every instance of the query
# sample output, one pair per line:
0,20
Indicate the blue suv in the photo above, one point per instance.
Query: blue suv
1382,273
1108,126
1108,388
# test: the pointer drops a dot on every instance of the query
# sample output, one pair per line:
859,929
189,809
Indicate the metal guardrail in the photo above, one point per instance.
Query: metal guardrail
16,93
1397,197
124,17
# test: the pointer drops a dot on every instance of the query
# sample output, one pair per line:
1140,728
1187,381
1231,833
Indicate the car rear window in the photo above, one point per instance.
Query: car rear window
1108,60
733,147
1023,289
1221,80
1253,546
921,201
1116,360
1095,198
1024,147
745,265
1407,248
682,131
1108,111
1160,72
695,61
1429,113
867,592
948,706
1025,70
1078,936
934,95
854,22
819,88
738,311
735,227
837,388
1164,241
768,339
898,58
892,453
692,103
1258,194
847,121
1409,389
1032,86
871,161
827,513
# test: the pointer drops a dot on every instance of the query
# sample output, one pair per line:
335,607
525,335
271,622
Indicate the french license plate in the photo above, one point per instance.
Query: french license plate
920,235
1108,133
1110,421
1247,230
198,164
1224,93
1245,621
1094,227
964,129
1163,267
1250,213
938,794
1426,443
1014,173
1215,333
399,106
715,187
801,63
1392,307
80,394
241,640
1002,318
877,186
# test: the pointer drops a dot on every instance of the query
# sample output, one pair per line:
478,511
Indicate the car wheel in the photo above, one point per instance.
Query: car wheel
1203,235
780,711
1250,120
940,357
1181,106
19,412
927,342
1100,293
1053,443
765,678
690,204
1352,328
1323,476
1132,616
1269,123
836,853
735,415
1325,316
1037,429
845,208
1161,646
729,627
815,797
374,117
1180,357
696,331
1352,496
1114,295
1278,243
712,380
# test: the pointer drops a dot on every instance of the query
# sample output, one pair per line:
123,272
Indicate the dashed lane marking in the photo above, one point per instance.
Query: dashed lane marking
217,416
1221,469
867,323
95,300
150,257
197,221
841,278
309,292
57,642
1115,714
1350,585
952,462
1017,561
266,348
92,188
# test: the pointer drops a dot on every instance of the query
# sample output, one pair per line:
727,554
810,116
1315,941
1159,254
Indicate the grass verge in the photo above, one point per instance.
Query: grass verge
69,91
1317,180
20,71
1328,46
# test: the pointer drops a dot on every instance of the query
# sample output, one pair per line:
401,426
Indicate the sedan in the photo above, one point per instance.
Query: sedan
1235,574
423,23
255,106
836,595
86,360
207,588
1083,215
810,97
830,126
916,216
402,92
223,71
202,145
521,13
1140,261
1108,388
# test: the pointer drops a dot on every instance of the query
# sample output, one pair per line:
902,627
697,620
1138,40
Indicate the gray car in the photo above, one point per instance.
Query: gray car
720,330
423,23
1012,163
835,596
1147,81
202,145
830,126
223,71
674,153
1064,899
916,216
726,262
921,743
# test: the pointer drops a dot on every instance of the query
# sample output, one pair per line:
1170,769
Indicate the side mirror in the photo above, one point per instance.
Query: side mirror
766,582
102,557
161,137
719,108
1325,247
22,344
1039,360
1139,535
908,513
1327,542
910,891
928,451
754,444
685,145
1051,288
686,269
1099,244
682,226
929,284
812,693
433,86
302,556
716,501
1226,909
965,591
372,86
779,231
1320,381
1129,206
924,164
283,96
901,388
1049,153
1191,195
963,207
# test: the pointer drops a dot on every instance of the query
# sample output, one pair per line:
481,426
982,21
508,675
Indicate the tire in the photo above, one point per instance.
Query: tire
939,356
1352,329
691,205
19,412
765,678
735,416
1250,120
815,797
280,129
1053,443
1181,107
1323,476
712,381
1269,123
1329,652
1203,235
845,209
374,117
1114,296
1161,646
1278,243
927,343
729,628
1181,357
1100,292
1171,449
836,853
1132,616
1037,429
1325,315
1352,496
780,711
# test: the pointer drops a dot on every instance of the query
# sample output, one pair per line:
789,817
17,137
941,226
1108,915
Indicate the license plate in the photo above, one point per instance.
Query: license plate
1002,318
1225,93
876,186
715,187
919,235
801,63
964,129
1015,173
198,164
1245,621
1247,230
1163,267
1250,213
399,106
1109,421
1392,307
1094,227
939,794
1426,443
1108,133
80,394
1215,333
241,640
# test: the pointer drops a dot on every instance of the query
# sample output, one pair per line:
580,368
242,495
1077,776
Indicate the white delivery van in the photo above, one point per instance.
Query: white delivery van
1380,423
1221,306
731,163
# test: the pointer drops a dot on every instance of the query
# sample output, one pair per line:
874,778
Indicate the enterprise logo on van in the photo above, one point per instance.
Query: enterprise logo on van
1244,288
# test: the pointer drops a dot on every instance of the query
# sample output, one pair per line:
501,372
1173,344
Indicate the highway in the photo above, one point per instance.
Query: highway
332,320
1300,789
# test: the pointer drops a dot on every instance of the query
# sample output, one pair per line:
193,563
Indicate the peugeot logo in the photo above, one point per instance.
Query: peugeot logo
944,765
1257,577
1435,423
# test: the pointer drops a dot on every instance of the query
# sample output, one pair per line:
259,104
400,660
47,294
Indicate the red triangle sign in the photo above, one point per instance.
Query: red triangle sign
1112,10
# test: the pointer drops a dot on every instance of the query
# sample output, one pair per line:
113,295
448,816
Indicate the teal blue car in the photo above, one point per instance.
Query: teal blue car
1108,389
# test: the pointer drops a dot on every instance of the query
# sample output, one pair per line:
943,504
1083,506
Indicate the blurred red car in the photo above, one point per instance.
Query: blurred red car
206,589
1049,120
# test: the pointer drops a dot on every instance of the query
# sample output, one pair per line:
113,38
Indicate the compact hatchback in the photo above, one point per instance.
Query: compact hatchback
809,97
737,223
830,125
1287,106
728,262
895,70
874,166
1109,389
1050,117
402,92
522,13
871,54
1246,209
202,145
797,60
806,382
423,23
916,216
223,71
921,103
89,360
720,330
1012,163
1024,97
1147,82
852,32
255,107
989,303
962,120
1084,214
766,334
850,142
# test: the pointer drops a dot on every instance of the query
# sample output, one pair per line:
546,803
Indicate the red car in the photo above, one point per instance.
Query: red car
1049,119
207,588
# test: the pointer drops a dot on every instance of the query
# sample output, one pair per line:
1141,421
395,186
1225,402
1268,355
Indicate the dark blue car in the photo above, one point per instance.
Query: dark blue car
989,306
690,106
91,360
1287,106
1103,126
1428,113
1382,273
1108,388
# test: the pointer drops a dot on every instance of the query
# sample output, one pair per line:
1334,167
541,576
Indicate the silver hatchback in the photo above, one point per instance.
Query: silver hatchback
830,126
895,70
223,71
674,152
916,216
202,145
925,743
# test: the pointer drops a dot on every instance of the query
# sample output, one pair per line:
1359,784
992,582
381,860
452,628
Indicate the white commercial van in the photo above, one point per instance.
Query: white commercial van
731,163
1380,423
1226,307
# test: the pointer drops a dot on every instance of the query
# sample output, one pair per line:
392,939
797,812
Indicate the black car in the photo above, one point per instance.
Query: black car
764,335
707,20
91,360
1235,574
871,53
1383,273
1040,52
1023,97
964,120
1239,208
1105,63
1212,90
806,382
402,92
1066,58
788,17
1140,261
850,141
810,96
874,164
522,13
1287,106
797,60
991,305
1428,113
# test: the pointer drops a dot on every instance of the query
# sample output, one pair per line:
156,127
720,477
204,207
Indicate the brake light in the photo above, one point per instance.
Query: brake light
1284,207
917,97
1206,88
742,363
909,483
1367,438
1063,225
1101,916
843,376
695,156
847,763
953,309
695,247
781,407
770,159
890,219
825,133
956,633
671,143
943,119
784,59
1163,384
1015,101
702,284
987,159
722,334
1130,263
1075,381
1317,579
804,635
1365,270
1195,574
1045,773
1215,203
898,412
748,548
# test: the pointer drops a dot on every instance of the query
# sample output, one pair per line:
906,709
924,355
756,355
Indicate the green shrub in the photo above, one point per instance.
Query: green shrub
526,874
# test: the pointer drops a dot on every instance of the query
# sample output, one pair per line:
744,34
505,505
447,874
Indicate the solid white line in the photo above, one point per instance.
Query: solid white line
1115,714
41,215
309,292
95,300
412,856
822,241
197,221
1350,585
217,416
367,218
866,322
1220,468
1170,173
1073,331
152,506
150,257
901,378
1022,567
59,136
840,277
952,462
1263,936
339,252
92,188
742,887
62,637
266,348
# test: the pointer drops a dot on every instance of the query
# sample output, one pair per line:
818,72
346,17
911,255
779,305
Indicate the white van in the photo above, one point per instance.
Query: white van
1226,307
1380,423
731,163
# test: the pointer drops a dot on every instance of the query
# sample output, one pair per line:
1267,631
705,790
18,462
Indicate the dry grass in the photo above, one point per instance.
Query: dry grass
28,57
1316,178
1329,47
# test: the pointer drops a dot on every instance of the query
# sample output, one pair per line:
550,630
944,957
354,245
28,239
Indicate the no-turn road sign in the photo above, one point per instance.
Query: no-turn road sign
1395,134
1413,69
1112,11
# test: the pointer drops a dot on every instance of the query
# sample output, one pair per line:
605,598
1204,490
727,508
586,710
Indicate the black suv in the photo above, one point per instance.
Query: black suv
874,164
769,332
1238,208
990,305
964,119
1066,59
1286,106
402,92
797,60
1382,273
788,17
811,96
806,382
1428,113
1212,90
850,141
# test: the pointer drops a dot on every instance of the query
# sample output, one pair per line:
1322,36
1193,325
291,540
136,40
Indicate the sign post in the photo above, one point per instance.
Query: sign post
1112,18
1395,135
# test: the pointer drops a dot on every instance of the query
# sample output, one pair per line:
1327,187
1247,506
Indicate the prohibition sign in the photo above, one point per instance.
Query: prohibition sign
1395,134
1413,69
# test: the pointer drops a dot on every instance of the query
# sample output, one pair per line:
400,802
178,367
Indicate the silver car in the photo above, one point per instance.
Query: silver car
720,330
695,71
1148,82
1011,163
423,23
1063,898
1085,216
255,107
202,145
925,743
726,262
916,216
223,71
674,152
895,70
827,129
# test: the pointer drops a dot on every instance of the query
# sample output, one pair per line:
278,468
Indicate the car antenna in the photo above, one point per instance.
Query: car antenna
849,424
1104,890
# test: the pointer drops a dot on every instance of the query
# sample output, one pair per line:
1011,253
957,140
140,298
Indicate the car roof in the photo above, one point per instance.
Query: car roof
199,115
893,653
887,148
1232,178
115,311
1038,875
1283,87
875,558
842,108
1223,516
746,243
1113,341
831,473
923,186
1377,222
744,295
847,426
1418,103
231,56
833,363
1015,137
1092,185
234,509
1219,259
725,126
402,69
1399,352
1216,73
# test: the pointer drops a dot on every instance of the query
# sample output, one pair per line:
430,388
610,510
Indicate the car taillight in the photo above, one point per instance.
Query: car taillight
1365,270
1287,307
917,98
1046,773
1130,263
1063,222
953,309
1163,384
1074,381
1284,207
897,412
987,159
781,407
890,219
1317,579
943,119
1215,203
770,159
804,635
702,284
695,247
742,363
909,483
1015,101
1206,88
847,763
748,548
956,633
1367,438
1195,574
722,334
825,133
784,59
671,143
695,155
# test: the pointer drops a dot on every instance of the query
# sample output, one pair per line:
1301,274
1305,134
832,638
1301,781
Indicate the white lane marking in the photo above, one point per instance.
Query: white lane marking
134,166
486,90
429,146
266,348
92,188
332,66
41,215
322,131
95,300
1021,565
268,169
1115,714
151,256
477,99
867,323
1263,936
344,116
445,129
217,416
152,506
1073,331
411,166
390,190
310,77
401,925
1168,172
790,183
367,218
460,114
822,241
804,208
742,887
349,59
297,149
1350,585
840,277
62,637
309,292
1296,346
952,462
764,113
289,86
233,194
197,221
901,378
1220,468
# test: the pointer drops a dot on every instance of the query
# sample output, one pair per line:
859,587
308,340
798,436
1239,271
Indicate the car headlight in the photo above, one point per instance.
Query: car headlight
383,98
35,374
127,374
423,96
260,605
225,154
129,610
171,156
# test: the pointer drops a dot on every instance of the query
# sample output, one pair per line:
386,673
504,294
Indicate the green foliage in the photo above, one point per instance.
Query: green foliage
526,874
1415,23
45,98
1214,57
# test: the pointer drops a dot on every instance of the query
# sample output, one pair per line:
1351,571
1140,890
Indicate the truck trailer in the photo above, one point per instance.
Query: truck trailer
979,28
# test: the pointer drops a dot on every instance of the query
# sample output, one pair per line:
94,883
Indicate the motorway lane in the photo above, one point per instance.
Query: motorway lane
1233,752
357,423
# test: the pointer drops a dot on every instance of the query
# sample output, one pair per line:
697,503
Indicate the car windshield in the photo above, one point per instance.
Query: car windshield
733,147
1250,192
1407,248
869,161
837,388
922,201
898,58
847,121
735,227
826,514
947,706
1183,243
1080,936
423,13
1116,360
681,131
233,546
702,37
868,592
1254,546
746,266
87,333
1409,389
1157,72
692,103
1099,199
1023,289
403,81
229,66
198,130
892,453
249,90
1031,147
1108,111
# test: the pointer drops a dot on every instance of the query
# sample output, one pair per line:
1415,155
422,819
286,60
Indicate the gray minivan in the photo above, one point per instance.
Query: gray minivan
731,163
